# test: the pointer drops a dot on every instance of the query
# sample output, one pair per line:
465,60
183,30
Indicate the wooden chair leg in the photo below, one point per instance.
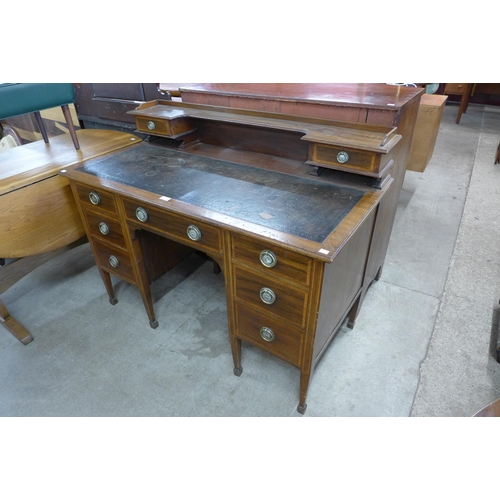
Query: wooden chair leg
71,127
41,126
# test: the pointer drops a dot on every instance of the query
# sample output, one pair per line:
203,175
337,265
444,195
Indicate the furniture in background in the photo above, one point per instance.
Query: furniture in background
105,105
38,215
480,93
294,248
492,410
430,113
31,98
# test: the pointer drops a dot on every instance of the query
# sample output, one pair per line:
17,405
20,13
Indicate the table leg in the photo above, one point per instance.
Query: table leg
305,377
13,326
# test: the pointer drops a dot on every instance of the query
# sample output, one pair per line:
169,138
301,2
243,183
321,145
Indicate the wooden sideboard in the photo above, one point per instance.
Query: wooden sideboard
236,184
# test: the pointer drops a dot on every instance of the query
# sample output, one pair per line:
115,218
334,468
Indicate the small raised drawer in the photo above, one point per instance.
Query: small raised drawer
170,128
286,341
271,296
344,158
180,228
287,264
96,198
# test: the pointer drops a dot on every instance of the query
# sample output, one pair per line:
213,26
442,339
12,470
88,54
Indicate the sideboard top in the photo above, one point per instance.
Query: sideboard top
374,95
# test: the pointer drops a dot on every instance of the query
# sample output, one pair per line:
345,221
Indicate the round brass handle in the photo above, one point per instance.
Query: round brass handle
114,261
343,157
267,295
193,233
94,198
267,334
141,214
151,125
267,258
104,228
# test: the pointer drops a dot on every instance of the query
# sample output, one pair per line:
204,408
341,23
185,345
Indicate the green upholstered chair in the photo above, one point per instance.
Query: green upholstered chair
23,98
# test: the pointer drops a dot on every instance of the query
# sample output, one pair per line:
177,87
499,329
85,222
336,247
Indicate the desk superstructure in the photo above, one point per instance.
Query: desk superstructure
237,185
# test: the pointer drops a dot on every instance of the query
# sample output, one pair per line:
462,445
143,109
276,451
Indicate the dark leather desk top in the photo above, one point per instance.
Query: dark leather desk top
302,207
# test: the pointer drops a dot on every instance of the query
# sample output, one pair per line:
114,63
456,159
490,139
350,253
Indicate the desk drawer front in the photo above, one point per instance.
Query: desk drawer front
344,158
271,296
181,228
153,126
97,198
105,227
283,340
114,260
287,264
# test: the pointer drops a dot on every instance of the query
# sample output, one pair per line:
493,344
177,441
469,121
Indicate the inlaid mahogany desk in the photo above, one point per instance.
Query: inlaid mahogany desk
237,185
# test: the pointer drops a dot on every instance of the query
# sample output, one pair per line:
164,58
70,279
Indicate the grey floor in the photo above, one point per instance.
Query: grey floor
422,345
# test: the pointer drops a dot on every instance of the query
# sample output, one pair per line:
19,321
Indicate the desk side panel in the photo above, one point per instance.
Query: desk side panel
342,283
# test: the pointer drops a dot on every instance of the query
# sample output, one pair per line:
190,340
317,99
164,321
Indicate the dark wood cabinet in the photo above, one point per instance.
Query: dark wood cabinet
105,105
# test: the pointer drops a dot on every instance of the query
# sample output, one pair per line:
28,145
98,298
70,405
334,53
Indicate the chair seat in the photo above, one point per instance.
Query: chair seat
22,98
26,98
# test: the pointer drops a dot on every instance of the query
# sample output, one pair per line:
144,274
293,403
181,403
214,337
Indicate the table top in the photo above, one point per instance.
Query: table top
30,163
305,208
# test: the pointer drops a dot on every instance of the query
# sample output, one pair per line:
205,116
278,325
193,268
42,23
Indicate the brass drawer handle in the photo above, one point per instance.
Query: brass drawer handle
151,125
94,198
114,261
267,258
141,214
343,157
193,233
104,228
267,295
267,334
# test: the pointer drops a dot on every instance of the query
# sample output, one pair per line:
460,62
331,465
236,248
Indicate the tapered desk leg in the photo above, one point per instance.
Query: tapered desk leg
13,326
304,386
236,351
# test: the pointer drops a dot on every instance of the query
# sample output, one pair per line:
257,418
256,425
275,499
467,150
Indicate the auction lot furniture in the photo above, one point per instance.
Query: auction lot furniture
38,215
243,187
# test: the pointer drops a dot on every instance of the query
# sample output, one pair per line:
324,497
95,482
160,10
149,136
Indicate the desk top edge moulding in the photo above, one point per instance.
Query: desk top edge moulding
291,208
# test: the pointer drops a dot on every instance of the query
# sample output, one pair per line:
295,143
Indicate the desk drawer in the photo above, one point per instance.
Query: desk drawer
285,263
105,227
345,158
157,126
97,198
184,229
282,340
114,260
271,296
